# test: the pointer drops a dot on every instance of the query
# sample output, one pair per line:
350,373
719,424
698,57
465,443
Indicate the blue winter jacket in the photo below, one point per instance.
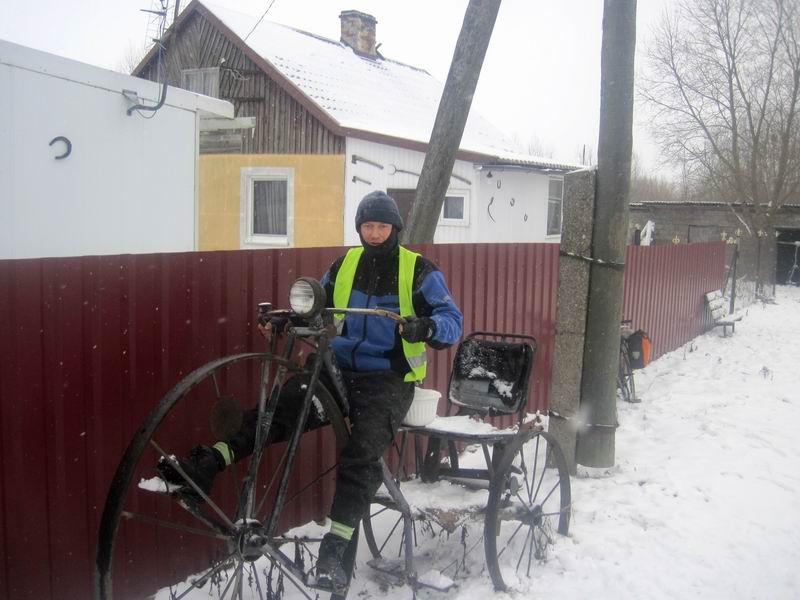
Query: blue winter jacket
370,343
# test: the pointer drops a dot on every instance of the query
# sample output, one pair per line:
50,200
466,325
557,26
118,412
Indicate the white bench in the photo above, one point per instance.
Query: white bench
719,313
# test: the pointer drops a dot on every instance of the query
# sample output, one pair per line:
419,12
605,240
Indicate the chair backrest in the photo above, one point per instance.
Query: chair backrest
492,375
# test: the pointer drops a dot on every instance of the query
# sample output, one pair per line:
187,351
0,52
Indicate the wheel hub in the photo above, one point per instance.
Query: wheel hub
534,516
250,538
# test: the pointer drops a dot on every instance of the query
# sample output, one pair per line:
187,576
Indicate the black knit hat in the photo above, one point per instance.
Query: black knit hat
378,206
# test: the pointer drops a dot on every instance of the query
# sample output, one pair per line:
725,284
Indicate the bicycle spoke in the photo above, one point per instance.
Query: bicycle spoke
550,493
389,536
544,470
384,509
239,577
201,581
254,575
228,585
555,514
291,577
533,472
308,485
524,545
217,392
508,543
456,561
272,481
169,525
530,551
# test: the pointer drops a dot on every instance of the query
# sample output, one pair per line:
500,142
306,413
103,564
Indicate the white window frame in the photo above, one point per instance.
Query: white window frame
249,175
463,222
214,72
561,208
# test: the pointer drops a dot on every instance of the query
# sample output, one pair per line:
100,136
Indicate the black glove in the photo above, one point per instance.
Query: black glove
418,329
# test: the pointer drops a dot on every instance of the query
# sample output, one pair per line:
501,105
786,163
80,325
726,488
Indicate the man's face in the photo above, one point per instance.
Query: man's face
375,232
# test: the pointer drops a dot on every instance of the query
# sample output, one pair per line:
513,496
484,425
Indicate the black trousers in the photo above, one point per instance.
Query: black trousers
378,402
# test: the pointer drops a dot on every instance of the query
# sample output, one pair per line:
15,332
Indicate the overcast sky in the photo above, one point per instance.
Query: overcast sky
540,81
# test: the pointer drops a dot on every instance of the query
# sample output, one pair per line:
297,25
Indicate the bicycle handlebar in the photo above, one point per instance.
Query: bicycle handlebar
377,312
265,313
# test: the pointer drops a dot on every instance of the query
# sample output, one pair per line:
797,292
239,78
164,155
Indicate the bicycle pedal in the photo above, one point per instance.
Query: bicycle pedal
324,584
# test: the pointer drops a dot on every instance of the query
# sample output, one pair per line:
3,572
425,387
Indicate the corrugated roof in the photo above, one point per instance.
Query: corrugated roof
515,158
378,96
714,203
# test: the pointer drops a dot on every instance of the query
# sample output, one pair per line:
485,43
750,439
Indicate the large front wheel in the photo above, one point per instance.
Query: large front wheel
529,502
161,542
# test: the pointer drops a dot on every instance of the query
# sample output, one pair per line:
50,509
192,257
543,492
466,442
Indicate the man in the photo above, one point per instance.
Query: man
380,364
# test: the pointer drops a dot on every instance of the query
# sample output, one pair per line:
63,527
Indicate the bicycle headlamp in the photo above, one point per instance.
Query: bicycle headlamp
306,297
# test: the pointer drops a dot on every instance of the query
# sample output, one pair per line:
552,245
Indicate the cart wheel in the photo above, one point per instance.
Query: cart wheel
445,542
152,538
529,502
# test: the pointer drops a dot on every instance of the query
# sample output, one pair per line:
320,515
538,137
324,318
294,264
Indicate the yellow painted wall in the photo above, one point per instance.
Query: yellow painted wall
318,198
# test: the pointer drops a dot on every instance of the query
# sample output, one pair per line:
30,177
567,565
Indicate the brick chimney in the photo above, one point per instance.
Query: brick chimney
358,31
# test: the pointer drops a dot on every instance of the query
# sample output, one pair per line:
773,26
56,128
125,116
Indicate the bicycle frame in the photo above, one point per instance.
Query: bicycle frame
269,397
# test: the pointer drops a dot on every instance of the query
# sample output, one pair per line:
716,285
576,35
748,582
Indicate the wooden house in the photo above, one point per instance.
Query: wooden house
335,120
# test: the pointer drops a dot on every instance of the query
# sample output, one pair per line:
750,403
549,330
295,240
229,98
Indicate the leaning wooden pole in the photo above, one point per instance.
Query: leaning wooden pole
596,437
451,119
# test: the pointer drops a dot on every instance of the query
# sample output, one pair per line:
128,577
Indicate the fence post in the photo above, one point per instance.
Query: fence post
732,305
571,306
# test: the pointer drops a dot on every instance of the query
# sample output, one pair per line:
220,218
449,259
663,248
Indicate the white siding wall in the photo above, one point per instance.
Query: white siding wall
517,201
127,187
520,194
382,179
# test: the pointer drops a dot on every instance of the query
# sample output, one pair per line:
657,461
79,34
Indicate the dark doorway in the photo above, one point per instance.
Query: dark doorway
787,265
404,199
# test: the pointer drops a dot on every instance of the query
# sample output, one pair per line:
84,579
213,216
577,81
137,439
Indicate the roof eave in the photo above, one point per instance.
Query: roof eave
389,140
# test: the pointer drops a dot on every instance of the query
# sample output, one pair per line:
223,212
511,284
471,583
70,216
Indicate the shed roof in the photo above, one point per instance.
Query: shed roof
67,69
359,95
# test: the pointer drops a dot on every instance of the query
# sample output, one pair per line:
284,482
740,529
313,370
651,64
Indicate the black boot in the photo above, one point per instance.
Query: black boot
330,568
201,467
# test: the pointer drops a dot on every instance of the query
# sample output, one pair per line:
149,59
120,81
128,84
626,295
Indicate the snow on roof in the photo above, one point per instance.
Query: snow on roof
705,203
515,158
375,95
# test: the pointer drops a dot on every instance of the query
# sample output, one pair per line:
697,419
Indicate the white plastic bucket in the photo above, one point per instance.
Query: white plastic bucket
423,407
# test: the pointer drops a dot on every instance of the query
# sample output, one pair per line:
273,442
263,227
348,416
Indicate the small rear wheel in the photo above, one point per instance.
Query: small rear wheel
529,502
161,542
445,541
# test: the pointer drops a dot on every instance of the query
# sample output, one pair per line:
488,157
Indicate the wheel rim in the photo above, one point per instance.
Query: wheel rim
160,541
528,504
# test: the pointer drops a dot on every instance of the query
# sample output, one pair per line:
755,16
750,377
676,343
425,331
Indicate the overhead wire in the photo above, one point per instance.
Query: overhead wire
259,21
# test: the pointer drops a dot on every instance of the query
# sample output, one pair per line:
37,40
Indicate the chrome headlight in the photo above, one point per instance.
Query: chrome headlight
306,297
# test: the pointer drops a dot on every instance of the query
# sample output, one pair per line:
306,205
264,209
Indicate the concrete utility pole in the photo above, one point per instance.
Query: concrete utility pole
450,120
595,446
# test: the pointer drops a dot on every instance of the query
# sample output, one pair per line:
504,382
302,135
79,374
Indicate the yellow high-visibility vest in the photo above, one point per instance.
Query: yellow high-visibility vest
415,354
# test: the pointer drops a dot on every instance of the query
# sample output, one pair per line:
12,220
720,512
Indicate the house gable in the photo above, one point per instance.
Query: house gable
284,125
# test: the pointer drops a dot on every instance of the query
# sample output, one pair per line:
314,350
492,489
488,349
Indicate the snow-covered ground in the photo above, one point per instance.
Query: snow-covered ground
704,499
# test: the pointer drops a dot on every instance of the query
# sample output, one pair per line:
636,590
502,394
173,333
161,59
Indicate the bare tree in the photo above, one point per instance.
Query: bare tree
132,57
724,80
585,155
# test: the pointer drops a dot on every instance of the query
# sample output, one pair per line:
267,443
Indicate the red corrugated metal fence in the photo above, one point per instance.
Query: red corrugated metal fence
89,345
